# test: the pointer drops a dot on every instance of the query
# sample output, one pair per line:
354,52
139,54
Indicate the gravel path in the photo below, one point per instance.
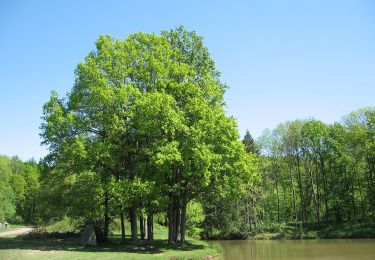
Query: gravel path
16,231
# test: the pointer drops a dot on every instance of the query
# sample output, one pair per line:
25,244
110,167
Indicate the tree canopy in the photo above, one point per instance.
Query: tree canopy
144,112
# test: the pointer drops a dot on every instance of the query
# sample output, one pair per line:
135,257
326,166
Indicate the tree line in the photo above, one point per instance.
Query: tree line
317,174
310,175
19,187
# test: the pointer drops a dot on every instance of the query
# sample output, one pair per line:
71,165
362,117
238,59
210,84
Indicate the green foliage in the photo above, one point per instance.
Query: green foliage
250,145
318,175
7,208
313,176
7,205
194,218
19,187
86,197
64,225
146,118
235,212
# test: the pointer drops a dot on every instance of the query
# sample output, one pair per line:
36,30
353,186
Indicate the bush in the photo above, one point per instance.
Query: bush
311,235
43,234
272,227
16,220
63,225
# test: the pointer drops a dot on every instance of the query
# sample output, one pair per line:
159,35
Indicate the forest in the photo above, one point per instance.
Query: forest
320,174
143,138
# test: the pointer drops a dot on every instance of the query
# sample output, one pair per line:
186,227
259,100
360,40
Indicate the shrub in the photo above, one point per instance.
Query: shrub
63,225
42,234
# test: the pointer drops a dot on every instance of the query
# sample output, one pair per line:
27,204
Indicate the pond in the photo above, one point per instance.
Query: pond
323,249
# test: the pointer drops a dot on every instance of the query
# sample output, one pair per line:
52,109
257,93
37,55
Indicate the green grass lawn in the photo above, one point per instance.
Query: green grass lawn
16,248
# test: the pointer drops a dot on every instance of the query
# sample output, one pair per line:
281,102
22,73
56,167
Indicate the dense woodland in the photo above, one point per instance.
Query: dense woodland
19,190
143,137
320,174
313,176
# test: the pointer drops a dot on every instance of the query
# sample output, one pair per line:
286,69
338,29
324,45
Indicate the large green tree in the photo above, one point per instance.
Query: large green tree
148,109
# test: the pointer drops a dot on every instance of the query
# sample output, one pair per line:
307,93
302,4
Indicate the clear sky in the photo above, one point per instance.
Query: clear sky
281,59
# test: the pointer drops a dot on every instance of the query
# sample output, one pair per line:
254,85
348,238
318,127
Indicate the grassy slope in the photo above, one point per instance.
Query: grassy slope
15,248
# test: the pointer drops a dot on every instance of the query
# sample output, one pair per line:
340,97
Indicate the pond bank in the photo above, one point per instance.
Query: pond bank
331,232
278,232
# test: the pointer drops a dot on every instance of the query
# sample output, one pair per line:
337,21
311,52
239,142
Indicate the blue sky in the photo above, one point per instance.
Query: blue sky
281,59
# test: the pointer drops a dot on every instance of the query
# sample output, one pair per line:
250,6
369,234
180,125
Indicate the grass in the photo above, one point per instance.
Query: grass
16,248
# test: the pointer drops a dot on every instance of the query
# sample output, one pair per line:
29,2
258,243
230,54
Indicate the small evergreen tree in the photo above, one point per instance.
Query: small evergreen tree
250,145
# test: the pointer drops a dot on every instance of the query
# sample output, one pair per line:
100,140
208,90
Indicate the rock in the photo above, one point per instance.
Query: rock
88,237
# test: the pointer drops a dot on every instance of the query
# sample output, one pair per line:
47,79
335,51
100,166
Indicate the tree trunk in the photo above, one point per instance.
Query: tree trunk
278,202
308,165
106,217
317,193
335,204
150,227
183,218
177,206
371,182
122,227
275,171
361,199
145,227
347,198
177,220
300,190
133,223
353,202
171,225
142,226
284,201
325,189
293,194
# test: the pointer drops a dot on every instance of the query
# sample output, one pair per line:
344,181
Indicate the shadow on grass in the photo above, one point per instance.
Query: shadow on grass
113,245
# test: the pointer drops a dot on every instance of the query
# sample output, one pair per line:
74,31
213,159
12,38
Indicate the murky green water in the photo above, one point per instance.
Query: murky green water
324,249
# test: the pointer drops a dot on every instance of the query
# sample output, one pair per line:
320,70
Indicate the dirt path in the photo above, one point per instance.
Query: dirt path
16,231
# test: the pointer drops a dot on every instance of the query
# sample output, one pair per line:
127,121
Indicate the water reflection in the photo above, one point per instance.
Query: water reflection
340,249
